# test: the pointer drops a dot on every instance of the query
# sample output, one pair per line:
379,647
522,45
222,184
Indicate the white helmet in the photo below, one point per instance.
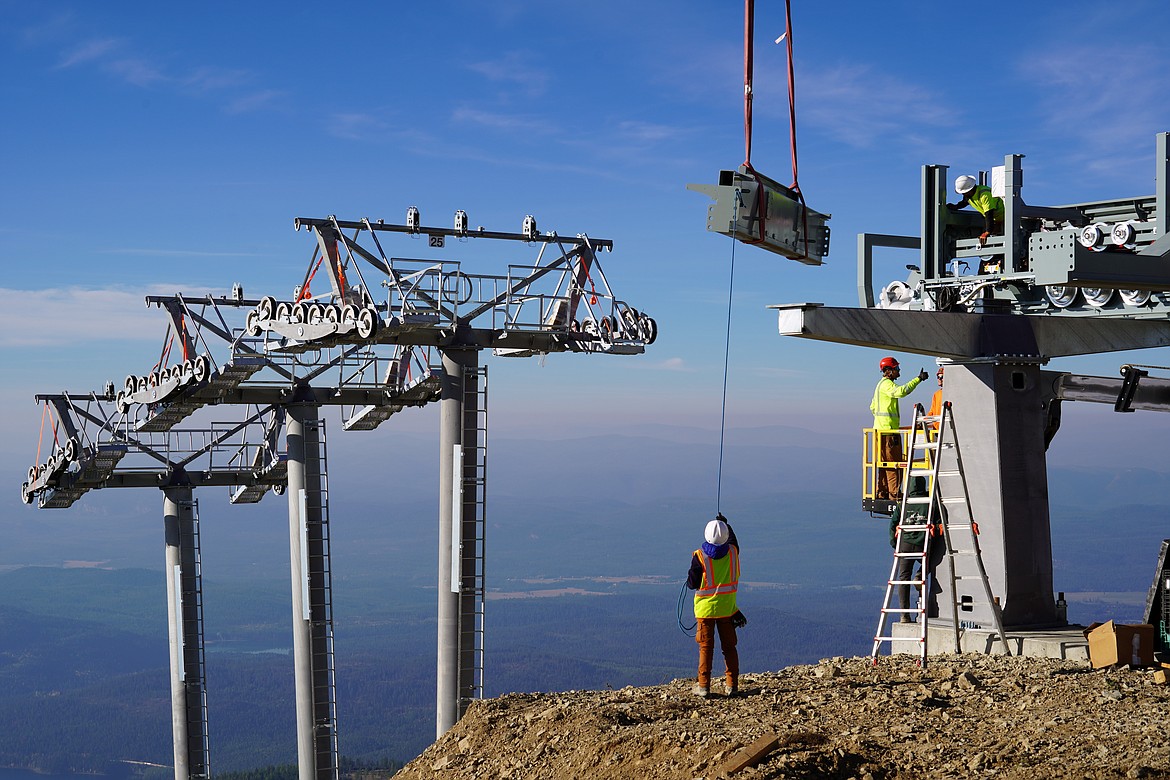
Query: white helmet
964,184
716,532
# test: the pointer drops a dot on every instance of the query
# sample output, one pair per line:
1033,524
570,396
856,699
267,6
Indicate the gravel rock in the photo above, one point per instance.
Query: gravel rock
963,716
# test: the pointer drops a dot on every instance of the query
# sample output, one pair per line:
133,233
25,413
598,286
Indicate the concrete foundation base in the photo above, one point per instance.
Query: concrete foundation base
1066,643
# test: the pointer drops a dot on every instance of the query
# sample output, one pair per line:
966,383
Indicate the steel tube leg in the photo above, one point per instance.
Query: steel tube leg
451,508
316,743
188,721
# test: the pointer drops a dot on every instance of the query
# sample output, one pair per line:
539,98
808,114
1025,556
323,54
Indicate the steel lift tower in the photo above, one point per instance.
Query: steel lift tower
1076,279
372,357
101,451
129,438
558,302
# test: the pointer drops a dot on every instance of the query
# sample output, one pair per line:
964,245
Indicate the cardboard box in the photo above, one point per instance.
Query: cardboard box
1117,643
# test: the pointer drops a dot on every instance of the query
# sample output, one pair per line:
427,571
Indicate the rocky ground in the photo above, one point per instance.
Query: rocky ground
963,716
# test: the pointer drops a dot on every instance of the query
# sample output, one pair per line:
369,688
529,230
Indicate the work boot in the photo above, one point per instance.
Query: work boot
702,691
730,689
906,619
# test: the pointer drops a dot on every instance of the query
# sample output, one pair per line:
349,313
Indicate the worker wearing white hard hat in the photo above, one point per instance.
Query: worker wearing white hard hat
979,197
714,576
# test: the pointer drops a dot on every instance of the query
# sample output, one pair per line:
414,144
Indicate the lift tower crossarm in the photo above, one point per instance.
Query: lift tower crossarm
963,335
533,238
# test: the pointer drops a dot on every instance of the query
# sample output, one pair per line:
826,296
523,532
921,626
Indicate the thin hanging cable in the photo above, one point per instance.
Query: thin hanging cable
726,357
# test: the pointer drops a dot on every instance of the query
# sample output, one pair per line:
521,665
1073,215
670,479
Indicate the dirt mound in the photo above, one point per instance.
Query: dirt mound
963,716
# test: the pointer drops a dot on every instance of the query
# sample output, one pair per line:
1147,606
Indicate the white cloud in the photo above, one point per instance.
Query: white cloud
89,51
149,252
513,68
672,364
865,108
76,316
507,122
209,79
1111,109
647,132
255,101
136,71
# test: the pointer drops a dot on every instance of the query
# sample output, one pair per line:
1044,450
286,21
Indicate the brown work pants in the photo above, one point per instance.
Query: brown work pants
705,635
889,483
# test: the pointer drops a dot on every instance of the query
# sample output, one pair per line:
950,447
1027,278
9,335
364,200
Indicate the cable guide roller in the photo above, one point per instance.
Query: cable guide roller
754,209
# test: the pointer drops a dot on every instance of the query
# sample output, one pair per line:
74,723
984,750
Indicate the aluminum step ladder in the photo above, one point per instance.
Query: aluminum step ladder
944,516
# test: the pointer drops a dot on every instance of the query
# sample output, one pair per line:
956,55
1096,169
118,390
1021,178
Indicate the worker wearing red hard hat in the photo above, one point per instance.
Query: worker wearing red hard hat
886,418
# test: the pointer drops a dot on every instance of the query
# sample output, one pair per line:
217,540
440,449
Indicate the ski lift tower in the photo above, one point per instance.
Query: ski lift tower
100,450
560,301
129,438
1076,279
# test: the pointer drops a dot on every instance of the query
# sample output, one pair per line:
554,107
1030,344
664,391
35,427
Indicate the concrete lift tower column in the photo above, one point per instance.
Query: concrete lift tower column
1066,280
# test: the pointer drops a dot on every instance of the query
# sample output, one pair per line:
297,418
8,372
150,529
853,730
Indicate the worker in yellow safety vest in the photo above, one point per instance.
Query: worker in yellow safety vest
886,423
979,197
714,576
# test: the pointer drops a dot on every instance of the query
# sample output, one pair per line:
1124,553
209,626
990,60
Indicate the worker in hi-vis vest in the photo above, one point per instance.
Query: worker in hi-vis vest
979,197
714,576
885,418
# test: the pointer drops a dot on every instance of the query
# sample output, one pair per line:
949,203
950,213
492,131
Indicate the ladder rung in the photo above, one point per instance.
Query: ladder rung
921,472
918,500
911,582
953,500
899,639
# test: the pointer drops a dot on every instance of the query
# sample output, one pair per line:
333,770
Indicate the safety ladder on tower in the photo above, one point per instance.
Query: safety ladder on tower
473,487
317,555
191,609
941,515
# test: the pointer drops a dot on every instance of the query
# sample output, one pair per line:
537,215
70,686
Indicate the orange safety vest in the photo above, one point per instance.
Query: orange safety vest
715,597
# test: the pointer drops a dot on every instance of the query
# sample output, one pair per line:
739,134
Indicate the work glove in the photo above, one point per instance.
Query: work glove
738,620
922,375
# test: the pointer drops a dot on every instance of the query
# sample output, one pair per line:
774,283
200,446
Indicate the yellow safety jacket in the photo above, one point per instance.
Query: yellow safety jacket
983,201
885,402
715,597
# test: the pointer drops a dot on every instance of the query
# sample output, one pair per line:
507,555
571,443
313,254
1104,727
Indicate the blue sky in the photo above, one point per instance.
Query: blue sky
161,148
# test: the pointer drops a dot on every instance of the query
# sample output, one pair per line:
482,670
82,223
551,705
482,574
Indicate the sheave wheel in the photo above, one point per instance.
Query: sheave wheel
366,323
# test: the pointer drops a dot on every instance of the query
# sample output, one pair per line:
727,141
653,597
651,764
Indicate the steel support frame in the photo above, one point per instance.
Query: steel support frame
1005,409
185,624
